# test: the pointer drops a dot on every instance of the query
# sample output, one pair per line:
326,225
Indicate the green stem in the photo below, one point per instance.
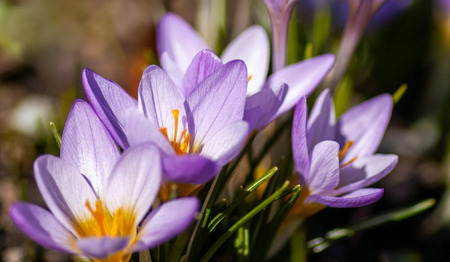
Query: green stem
242,221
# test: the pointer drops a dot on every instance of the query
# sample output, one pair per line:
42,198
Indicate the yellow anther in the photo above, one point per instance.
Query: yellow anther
181,144
249,78
344,150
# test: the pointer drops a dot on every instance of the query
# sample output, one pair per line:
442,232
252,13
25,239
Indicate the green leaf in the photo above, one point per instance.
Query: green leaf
399,93
321,243
55,134
242,221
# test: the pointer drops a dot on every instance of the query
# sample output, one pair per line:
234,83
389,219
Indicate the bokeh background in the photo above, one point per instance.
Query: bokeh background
45,44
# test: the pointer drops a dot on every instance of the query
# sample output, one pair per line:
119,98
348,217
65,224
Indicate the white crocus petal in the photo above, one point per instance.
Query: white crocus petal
63,188
251,46
135,180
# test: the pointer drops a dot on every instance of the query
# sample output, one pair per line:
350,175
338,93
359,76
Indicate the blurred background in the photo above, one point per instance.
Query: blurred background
45,44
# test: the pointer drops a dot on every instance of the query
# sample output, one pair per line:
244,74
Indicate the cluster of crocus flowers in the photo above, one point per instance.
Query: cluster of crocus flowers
192,117
100,201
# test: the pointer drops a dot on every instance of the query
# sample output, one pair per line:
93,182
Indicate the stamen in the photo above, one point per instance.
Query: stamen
349,162
98,215
181,144
249,78
164,131
175,113
344,150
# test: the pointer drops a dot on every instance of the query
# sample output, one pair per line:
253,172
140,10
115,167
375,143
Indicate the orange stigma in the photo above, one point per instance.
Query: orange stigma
181,145
343,151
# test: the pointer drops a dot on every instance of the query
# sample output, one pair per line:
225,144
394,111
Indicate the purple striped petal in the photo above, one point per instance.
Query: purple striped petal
324,169
365,124
192,169
41,226
227,143
87,145
322,120
203,64
63,188
357,198
167,221
268,102
135,180
251,46
110,102
302,78
158,97
102,247
139,130
299,146
179,40
218,101
365,171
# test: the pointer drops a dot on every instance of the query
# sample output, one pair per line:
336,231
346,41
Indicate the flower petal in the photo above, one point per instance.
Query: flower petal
192,169
321,121
268,102
42,227
299,146
87,145
158,97
167,221
365,171
251,46
218,101
203,64
135,180
102,247
63,188
227,143
110,102
171,68
365,124
302,78
140,130
356,198
181,42
324,170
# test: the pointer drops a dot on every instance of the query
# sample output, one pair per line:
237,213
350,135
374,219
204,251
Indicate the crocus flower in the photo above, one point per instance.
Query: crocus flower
98,199
197,135
280,12
335,161
178,44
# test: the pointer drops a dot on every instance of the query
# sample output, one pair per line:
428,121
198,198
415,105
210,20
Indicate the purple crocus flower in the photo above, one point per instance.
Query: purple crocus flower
179,44
335,161
98,199
197,135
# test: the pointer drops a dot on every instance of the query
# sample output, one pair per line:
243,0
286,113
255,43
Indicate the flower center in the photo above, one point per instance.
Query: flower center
102,223
181,144
343,151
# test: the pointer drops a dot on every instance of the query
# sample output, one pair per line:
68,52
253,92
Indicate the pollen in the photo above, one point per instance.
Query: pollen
101,222
181,144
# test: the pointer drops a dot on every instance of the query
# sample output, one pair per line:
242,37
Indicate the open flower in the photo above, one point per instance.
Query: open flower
179,44
335,161
98,199
197,135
